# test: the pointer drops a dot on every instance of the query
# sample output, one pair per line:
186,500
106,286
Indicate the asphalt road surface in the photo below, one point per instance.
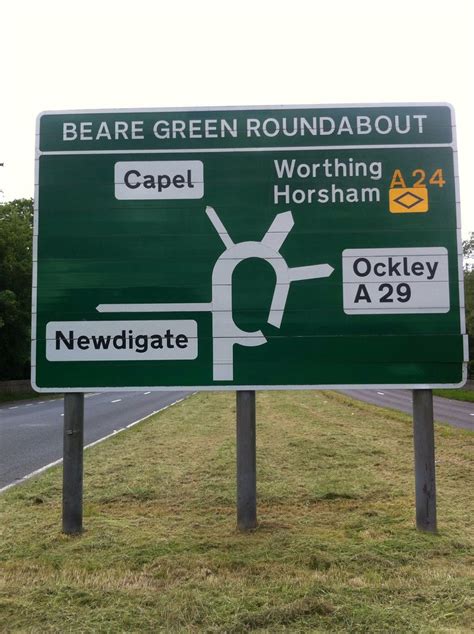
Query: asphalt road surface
31,432
457,413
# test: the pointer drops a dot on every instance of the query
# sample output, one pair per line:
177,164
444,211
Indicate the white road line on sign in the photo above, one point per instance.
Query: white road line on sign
92,444
117,400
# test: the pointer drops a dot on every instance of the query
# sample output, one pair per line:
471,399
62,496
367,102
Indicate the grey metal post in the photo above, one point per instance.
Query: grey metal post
246,461
425,477
73,462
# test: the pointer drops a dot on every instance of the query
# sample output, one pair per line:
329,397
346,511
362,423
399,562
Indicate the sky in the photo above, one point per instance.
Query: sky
105,54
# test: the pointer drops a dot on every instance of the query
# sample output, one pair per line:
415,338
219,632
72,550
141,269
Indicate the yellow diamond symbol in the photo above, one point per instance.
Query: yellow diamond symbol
405,200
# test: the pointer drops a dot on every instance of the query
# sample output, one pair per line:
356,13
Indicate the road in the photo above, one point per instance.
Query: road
457,413
31,432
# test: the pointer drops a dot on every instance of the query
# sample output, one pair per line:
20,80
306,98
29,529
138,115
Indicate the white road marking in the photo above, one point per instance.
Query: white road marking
92,444
471,414
117,400
146,393
29,405
381,393
14,407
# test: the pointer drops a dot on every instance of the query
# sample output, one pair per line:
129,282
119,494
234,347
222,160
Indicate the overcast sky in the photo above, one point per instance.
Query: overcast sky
144,54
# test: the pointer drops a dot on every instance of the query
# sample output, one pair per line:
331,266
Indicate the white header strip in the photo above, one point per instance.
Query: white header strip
251,149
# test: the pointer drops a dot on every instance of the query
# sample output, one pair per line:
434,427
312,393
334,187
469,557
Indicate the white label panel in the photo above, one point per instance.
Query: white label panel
159,180
163,340
395,281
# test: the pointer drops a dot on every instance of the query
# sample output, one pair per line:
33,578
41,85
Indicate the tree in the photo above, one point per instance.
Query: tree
16,233
468,252
468,247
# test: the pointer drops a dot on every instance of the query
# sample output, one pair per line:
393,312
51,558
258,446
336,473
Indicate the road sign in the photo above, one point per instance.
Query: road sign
250,248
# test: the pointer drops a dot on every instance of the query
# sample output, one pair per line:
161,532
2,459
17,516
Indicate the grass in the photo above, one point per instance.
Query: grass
7,397
456,394
335,550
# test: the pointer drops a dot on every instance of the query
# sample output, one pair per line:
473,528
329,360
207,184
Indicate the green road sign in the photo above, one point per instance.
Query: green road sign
276,247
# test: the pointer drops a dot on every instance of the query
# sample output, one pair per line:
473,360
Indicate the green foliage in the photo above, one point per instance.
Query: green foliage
16,232
469,300
468,246
469,295
468,252
456,394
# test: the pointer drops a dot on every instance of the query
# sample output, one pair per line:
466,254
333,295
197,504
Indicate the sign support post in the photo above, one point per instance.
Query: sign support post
73,462
425,477
246,461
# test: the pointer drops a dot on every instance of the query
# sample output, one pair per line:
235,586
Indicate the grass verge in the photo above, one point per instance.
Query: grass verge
457,394
11,397
335,549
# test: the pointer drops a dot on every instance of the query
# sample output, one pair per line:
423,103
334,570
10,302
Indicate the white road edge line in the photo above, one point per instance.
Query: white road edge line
92,444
